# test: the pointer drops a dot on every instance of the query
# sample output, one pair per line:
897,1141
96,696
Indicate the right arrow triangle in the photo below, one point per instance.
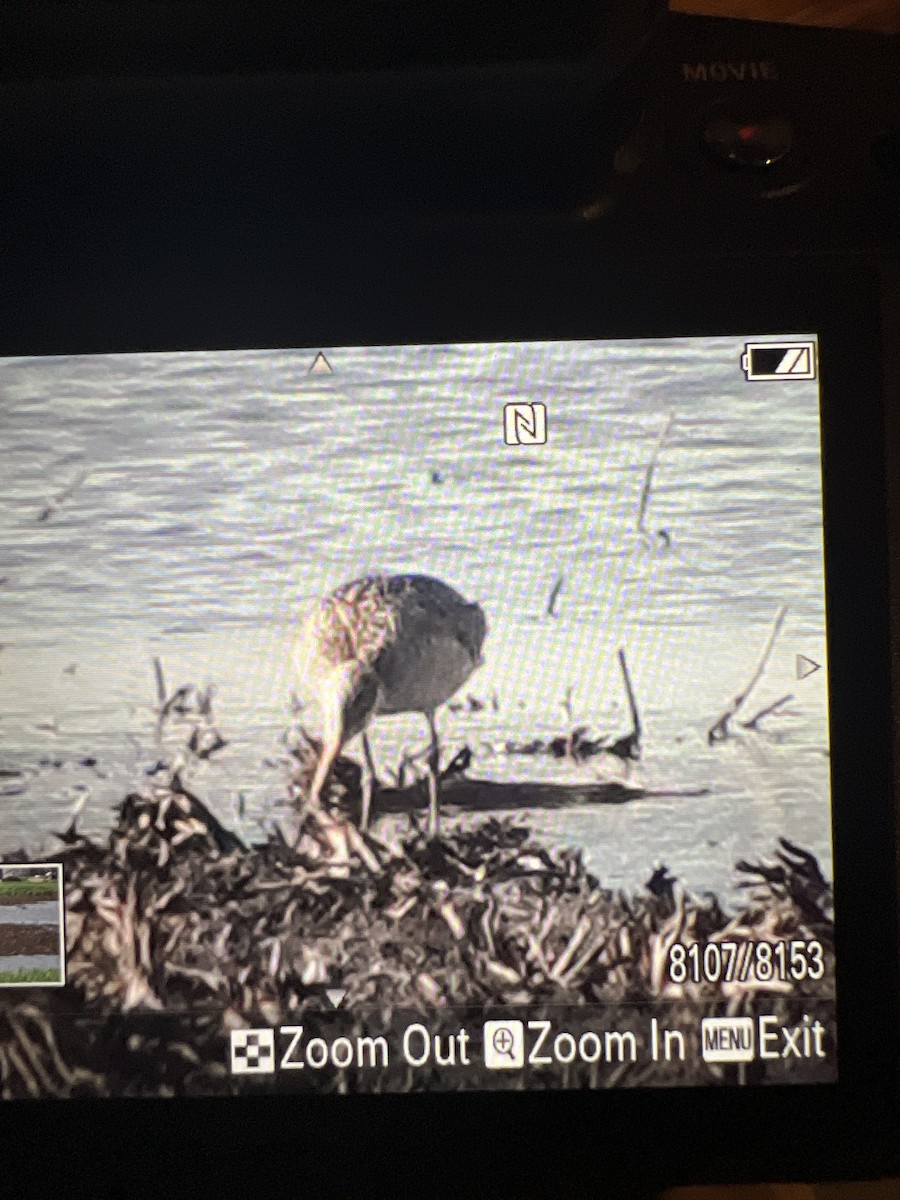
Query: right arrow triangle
806,666
336,996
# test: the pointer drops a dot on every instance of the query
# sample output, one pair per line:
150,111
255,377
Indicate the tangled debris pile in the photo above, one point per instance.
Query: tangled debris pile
174,914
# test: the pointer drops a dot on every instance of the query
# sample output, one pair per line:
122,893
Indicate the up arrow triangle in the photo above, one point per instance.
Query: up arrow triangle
336,996
806,666
320,366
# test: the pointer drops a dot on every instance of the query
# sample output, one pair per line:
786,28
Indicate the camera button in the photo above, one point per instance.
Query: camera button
748,142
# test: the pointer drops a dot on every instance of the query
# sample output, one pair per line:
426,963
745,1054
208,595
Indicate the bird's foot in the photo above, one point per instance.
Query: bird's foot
328,844
321,835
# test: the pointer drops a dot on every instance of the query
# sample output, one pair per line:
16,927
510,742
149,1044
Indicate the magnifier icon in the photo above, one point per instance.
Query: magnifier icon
503,1042
504,1045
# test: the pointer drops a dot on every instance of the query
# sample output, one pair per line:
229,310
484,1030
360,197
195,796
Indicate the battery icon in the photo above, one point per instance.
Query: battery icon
779,360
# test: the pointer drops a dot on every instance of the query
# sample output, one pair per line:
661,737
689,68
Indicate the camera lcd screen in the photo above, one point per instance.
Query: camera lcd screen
405,718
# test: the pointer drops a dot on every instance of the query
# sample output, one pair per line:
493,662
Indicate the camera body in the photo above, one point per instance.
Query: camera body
230,196
732,178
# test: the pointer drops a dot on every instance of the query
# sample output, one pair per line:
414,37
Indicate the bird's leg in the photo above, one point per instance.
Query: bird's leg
434,761
332,740
346,699
369,783
323,829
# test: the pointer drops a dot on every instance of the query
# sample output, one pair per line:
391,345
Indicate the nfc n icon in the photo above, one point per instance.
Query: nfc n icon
525,424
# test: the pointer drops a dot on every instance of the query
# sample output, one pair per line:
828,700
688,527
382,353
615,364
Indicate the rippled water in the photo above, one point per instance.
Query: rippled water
226,489
42,913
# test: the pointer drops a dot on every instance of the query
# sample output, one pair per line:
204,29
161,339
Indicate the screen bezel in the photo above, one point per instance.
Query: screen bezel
540,286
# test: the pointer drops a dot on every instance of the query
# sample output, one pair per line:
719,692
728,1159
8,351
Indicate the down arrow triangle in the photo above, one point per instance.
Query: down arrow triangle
336,996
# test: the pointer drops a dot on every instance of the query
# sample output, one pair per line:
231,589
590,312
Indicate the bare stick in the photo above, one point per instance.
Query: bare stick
753,723
632,702
554,595
644,502
719,731
175,702
629,746
160,681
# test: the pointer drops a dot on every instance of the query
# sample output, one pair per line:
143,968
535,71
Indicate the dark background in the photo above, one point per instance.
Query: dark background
884,16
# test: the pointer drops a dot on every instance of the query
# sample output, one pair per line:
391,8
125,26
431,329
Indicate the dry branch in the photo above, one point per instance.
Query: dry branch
719,731
768,711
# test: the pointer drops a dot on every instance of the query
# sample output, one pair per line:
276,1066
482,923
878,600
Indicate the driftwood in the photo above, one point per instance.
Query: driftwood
719,731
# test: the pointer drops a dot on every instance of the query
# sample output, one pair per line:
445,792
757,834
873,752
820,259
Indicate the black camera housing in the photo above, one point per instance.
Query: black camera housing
510,202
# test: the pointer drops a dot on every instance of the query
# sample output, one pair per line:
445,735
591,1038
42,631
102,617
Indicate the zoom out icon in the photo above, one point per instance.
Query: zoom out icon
253,1051
525,424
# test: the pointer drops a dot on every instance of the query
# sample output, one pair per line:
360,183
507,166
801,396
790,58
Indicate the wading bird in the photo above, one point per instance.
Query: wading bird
386,644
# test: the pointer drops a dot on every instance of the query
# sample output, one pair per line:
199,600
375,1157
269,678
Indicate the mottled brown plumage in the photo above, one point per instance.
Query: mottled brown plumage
386,644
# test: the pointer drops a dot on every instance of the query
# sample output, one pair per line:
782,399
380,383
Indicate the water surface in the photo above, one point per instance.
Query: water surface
41,913
225,490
